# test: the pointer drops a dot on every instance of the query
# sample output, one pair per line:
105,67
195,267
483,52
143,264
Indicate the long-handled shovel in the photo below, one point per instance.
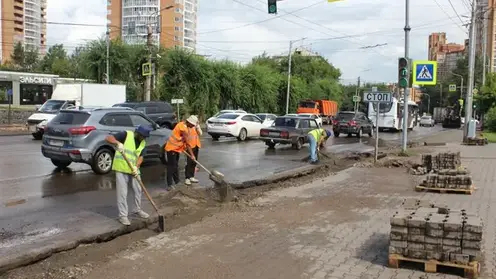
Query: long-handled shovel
217,177
161,218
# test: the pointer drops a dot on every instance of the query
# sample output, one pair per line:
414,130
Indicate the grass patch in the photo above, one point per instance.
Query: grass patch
18,108
491,136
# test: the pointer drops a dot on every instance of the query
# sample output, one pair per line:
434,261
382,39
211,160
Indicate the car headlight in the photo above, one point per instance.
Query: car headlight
43,123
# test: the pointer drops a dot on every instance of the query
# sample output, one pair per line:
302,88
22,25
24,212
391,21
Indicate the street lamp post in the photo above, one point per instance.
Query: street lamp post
428,102
289,71
149,43
461,85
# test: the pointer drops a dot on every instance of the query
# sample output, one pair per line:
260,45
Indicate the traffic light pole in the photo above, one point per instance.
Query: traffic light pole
108,58
405,95
289,76
357,91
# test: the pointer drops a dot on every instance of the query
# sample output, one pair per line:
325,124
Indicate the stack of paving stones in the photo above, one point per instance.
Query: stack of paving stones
447,160
449,179
421,230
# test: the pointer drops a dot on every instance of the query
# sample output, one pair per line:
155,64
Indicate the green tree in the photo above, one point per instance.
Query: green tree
56,61
17,56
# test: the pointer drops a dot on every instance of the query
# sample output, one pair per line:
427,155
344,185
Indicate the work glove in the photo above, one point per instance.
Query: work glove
120,147
135,171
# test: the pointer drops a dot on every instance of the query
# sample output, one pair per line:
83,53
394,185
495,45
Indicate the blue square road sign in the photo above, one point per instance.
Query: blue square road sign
424,72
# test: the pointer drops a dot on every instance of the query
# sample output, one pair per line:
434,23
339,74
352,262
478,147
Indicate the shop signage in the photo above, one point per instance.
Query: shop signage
35,80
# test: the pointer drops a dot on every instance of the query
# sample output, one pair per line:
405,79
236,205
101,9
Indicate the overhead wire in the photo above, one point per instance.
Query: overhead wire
453,7
452,18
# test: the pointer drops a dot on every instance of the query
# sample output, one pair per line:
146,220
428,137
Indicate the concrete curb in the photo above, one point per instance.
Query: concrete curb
11,134
26,257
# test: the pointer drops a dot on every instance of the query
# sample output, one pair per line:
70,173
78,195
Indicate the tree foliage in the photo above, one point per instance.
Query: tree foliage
206,85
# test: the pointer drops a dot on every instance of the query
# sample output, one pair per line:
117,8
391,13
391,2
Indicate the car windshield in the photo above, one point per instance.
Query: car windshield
285,122
228,116
52,106
307,104
345,116
426,117
73,118
261,116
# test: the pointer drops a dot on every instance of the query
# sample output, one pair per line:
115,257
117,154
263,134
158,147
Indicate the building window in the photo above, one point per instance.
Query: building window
176,19
109,2
176,38
176,28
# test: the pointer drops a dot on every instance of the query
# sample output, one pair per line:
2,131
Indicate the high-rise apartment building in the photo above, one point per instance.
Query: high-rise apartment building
487,10
22,21
173,22
446,54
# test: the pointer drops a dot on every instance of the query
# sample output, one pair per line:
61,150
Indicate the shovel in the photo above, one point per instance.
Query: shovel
161,218
218,178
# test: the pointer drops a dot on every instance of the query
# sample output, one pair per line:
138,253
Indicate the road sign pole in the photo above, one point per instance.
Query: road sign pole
406,93
376,151
10,111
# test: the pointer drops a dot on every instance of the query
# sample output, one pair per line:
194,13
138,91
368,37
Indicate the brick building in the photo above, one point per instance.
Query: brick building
446,54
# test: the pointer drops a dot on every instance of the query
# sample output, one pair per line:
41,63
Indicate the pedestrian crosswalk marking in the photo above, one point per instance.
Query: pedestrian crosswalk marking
424,73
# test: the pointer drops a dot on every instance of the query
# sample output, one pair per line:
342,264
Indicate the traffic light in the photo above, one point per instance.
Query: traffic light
272,5
403,72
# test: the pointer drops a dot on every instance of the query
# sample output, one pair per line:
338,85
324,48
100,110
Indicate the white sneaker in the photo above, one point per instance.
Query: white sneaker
187,182
124,221
143,214
194,180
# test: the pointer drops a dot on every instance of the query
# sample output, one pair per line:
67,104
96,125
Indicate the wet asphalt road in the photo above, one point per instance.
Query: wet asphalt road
42,210
26,175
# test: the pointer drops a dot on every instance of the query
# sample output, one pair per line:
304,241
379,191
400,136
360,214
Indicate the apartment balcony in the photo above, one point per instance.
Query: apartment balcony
18,4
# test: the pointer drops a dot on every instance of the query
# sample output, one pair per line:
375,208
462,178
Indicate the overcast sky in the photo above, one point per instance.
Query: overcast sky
241,29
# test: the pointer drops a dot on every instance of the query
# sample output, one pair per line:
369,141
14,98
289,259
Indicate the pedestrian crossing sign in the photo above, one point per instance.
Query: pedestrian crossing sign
424,72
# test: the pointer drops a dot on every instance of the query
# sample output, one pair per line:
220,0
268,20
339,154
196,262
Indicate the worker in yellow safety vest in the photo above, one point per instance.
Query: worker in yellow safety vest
193,140
176,144
316,139
132,144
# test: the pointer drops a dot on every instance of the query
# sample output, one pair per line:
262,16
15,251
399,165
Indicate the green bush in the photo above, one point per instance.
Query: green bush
490,121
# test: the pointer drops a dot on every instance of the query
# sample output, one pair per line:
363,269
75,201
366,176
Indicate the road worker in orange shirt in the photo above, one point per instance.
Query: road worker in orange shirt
177,144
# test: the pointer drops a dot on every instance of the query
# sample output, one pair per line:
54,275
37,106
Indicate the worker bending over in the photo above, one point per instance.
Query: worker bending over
132,144
316,140
177,143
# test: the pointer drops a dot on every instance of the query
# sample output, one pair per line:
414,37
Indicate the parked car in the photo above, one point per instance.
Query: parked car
288,130
224,112
351,123
267,118
78,136
427,121
313,116
161,113
240,125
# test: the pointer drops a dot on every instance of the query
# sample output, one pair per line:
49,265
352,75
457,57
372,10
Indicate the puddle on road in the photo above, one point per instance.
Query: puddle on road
10,239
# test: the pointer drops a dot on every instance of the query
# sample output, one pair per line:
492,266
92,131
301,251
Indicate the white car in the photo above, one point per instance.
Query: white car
427,121
239,125
267,118
313,116
226,111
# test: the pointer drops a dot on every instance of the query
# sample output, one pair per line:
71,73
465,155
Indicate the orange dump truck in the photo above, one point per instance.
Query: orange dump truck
325,108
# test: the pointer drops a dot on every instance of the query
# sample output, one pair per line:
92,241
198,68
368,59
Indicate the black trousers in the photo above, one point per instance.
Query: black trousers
191,165
172,168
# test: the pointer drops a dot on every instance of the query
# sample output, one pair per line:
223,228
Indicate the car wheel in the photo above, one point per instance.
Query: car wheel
359,134
271,145
215,137
61,164
336,134
166,125
298,145
371,133
102,161
37,136
163,156
242,135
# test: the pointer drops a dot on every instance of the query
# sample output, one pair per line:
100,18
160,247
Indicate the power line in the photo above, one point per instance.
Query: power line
257,22
441,8
453,7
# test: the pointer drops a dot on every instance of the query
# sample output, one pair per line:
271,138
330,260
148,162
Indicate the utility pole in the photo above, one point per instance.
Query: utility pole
484,46
108,56
405,95
149,43
356,94
289,75
471,67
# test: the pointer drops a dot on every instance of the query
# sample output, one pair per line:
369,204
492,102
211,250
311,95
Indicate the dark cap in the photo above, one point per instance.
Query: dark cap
143,130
